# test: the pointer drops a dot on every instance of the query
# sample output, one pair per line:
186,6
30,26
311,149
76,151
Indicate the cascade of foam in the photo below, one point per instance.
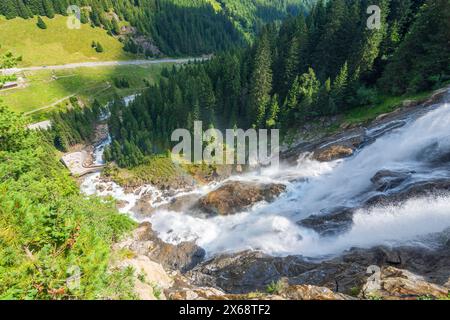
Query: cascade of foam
273,228
315,187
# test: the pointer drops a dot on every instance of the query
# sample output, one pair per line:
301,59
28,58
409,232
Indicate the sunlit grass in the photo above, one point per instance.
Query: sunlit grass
45,87
57,44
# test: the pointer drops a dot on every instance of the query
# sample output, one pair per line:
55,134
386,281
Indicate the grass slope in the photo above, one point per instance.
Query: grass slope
43,89
57,44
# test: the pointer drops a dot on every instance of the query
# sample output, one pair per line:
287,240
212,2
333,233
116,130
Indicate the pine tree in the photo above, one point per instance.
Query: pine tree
422,60
8,8
40,23
261,82
115,27
308,88
99,47
274,109
340,86
48,7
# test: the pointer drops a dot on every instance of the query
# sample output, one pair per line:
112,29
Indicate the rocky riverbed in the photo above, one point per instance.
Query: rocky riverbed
364,213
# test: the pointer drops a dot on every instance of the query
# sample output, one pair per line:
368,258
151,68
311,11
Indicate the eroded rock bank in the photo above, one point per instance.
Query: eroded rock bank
164,271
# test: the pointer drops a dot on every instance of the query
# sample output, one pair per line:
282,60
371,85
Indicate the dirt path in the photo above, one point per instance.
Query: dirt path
100,64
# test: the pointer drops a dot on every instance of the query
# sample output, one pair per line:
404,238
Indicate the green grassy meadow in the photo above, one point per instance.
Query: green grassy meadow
57,44
45,87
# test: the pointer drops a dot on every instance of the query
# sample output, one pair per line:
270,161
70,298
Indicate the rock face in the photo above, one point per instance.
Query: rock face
234,197
150,276
153,281
393,283
183,203
246,271
182,257
253,271
328,148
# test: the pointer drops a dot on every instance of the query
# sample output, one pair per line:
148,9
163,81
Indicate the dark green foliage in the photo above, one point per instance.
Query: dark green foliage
315,65
41,24
48,229
74,126
8,60
422,59
121,83
99,48
177,27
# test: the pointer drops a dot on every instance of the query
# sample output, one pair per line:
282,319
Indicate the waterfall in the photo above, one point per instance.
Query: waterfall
411,146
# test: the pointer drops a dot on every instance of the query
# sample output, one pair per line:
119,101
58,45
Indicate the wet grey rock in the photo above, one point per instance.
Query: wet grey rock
338,221
418,189
386,180
246,271
250,271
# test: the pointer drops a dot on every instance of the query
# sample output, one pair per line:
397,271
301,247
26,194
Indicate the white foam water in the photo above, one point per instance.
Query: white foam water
313,187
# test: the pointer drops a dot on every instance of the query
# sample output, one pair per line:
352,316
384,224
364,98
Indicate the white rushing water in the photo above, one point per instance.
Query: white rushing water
273,227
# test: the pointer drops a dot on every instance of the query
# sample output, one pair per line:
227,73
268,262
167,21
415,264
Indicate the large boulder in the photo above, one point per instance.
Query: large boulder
415,190
143,206
332,153
386,180
180,204
182,257
235,196
339,220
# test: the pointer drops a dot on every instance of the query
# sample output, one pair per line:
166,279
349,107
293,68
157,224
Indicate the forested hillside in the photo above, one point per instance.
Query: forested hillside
174,26
48,230
320,64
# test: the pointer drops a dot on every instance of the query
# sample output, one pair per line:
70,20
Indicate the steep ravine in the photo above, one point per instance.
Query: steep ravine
383,188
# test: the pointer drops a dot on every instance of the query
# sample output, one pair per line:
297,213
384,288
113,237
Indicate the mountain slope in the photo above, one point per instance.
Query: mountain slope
57,44
313,67
176,27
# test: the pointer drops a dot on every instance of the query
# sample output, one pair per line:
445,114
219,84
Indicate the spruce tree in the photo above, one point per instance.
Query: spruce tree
40,23
261,82
99,47
48,7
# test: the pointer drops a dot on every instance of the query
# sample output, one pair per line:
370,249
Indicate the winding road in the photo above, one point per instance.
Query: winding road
101,64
